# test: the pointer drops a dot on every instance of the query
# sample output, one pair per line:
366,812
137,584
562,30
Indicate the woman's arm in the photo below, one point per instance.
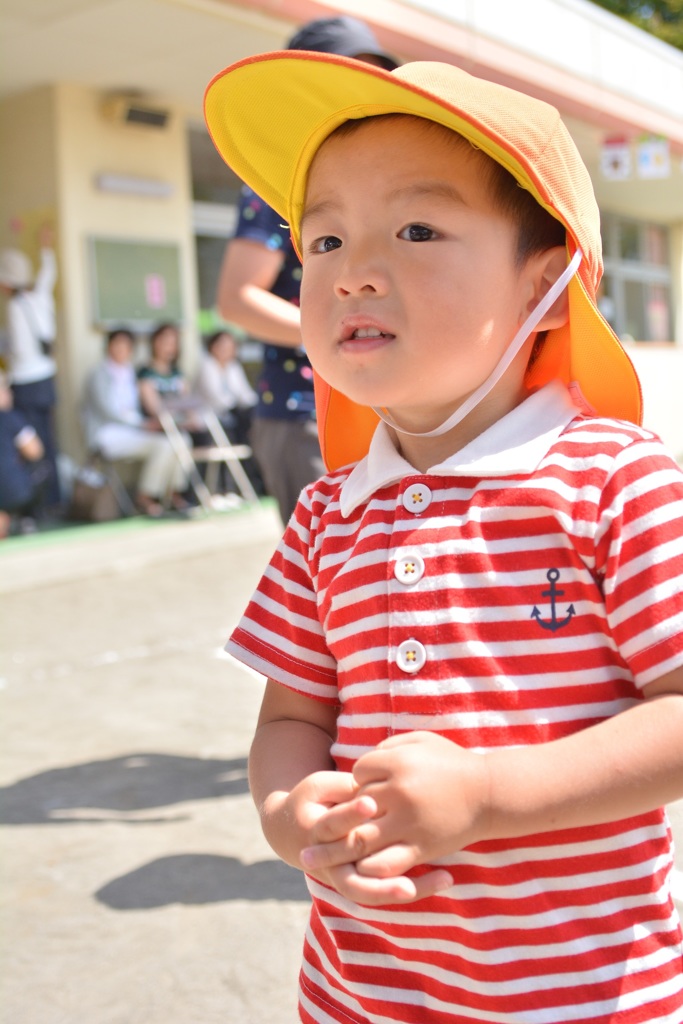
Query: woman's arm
150,400
46,277
249,270
244,394
208,384
29,445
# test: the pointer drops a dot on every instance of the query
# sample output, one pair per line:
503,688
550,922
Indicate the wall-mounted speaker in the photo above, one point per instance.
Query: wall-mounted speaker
127,109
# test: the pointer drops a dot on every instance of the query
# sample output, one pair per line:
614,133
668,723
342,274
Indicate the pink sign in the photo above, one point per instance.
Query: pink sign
155,291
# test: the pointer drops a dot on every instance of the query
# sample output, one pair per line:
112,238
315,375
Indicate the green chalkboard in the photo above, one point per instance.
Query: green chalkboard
136,282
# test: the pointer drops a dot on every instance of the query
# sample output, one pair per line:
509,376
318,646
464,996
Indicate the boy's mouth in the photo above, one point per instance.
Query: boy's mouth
368,332
364,336
365,339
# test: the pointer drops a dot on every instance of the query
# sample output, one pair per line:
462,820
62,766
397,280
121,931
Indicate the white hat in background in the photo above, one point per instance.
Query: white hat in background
16,270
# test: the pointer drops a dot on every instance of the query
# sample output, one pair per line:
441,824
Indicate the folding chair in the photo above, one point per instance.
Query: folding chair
222,450
96,459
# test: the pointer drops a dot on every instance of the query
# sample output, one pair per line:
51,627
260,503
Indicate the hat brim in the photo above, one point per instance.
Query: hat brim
268,116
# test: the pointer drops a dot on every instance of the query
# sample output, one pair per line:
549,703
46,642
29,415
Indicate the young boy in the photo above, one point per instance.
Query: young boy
473,625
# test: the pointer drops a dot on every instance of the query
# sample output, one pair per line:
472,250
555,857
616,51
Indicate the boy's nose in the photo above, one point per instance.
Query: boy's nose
361,273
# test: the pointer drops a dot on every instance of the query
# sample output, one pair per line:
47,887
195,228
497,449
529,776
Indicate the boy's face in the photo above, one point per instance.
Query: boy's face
410,291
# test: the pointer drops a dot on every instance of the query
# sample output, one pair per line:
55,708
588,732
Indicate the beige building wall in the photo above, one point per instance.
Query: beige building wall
28,186
27,140
660,366
56,142
88,145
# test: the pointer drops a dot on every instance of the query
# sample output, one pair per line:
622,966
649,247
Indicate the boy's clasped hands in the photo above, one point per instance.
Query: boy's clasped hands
412,800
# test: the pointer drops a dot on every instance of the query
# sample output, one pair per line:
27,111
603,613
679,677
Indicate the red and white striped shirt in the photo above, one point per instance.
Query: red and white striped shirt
527,588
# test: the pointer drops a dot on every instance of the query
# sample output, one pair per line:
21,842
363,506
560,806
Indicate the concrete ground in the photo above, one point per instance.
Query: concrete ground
137,886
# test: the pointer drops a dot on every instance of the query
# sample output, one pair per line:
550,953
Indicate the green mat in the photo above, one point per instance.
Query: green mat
66,531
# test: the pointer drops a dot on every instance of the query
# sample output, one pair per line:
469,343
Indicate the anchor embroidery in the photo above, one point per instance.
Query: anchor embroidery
553,593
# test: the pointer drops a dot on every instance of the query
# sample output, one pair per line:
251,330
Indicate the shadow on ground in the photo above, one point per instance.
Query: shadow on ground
110,788
194,879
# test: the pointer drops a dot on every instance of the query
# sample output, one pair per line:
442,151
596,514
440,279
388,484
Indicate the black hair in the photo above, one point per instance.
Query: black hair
160,328
211,340
115,331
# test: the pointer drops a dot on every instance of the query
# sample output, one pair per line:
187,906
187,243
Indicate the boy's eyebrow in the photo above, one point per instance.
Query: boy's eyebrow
437,189
323,206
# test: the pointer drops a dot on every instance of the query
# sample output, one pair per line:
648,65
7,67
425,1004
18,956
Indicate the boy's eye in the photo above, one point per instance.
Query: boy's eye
326,244
417,233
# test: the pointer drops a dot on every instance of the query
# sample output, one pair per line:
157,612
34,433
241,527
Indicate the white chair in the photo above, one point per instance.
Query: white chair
221,451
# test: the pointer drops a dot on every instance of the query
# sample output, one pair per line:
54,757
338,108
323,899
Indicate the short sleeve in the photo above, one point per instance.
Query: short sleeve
280,634
259,222
640,553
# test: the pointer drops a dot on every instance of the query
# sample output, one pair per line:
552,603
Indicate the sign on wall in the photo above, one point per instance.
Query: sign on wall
136,283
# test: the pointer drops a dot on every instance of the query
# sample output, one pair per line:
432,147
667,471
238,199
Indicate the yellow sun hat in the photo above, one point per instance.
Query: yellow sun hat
269,114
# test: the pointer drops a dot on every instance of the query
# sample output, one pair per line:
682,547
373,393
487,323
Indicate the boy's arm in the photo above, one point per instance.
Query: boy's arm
627,765
294,783
292,743
435,798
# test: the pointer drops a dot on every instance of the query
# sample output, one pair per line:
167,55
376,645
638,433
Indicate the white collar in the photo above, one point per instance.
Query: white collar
514,444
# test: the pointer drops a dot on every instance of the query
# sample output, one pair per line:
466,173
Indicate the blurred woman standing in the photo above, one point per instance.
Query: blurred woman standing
31,332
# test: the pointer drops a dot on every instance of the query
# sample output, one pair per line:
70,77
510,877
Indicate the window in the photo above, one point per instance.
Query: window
635,294
215,191
212,179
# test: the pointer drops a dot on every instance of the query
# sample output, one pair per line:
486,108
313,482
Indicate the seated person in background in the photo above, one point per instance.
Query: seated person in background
161,377
163,383
23,470
222,384
116,426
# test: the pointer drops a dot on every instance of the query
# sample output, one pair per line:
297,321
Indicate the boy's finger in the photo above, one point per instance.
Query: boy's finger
432,884
388,862
334,835
373,892
333,787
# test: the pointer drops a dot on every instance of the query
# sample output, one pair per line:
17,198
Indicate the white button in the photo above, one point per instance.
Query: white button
417,498
409,569
411,656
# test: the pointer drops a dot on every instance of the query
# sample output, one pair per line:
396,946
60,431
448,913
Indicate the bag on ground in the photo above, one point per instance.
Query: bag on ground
92,498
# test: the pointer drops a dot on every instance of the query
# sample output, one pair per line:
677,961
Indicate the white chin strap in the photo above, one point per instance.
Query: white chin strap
512,350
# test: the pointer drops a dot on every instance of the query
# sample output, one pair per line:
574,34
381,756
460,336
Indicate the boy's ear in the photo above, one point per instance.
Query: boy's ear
545,268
